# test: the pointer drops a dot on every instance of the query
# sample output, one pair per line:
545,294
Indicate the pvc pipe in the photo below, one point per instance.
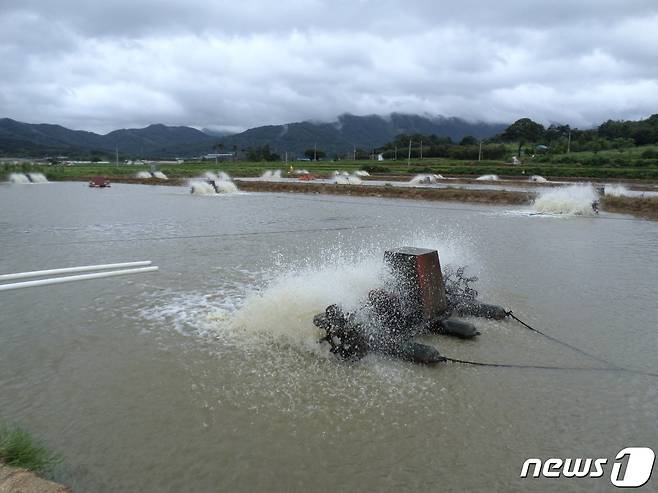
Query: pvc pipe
81,277
71,270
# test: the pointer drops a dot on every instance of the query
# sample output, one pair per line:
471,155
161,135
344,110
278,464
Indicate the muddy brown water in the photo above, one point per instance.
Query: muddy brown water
206,376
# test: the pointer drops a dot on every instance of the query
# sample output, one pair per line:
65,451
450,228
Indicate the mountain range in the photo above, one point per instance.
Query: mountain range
161,141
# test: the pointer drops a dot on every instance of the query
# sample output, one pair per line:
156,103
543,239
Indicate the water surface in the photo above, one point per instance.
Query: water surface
206,376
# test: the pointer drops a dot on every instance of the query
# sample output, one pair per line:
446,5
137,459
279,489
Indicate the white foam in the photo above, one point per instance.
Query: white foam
37,177
271,175
361,173
279,307
18,178
488,178
159,175
226,187
570,200
201,188
144,175
425,179
204,188
347,180
538,179
617,191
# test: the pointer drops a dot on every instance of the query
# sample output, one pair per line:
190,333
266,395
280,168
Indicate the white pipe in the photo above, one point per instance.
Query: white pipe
82,277
71,270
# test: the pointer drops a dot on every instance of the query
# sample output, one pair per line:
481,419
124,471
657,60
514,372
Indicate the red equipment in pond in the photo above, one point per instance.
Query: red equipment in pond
99,182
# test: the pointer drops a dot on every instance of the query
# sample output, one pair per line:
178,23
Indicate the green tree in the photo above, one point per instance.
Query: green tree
314,154
523,131
261,153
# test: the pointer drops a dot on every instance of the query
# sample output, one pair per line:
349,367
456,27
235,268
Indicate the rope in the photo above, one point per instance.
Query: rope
558,341
200,236
611,367
538,367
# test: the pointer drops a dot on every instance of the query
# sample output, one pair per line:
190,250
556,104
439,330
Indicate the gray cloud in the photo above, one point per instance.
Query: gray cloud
240,64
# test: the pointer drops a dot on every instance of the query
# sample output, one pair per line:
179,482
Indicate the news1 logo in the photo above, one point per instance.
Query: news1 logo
631,468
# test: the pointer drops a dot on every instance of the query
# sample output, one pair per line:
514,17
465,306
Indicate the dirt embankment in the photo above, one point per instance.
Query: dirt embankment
638,206
521,180
443,194
15,480
172,182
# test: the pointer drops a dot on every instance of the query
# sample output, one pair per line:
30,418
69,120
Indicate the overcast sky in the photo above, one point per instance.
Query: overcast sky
101,65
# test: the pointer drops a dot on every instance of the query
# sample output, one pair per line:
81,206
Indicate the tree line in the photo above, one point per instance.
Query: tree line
529,136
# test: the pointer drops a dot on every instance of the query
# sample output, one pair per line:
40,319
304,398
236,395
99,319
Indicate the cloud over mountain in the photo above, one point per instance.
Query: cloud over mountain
100,66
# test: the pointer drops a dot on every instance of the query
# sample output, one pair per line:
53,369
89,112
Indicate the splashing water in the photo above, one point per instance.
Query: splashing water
284,310
37,177
575,200
220,176
201,188
222,184
361,173
18,178
226,187
279,307
425,179
617,191
347,180
204,188
271,175
538,179
143,175
159,175
488,178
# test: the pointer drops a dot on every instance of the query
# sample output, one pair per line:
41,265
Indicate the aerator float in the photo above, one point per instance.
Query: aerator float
418,301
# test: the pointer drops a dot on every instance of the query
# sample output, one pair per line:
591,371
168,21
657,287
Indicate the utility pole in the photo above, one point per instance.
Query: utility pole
286,158
569,142
421,149
315,152
409,157
116,155
480,152
355,152
396,152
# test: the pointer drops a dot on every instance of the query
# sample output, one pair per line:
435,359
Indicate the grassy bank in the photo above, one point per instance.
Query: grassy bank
573,169
19,449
